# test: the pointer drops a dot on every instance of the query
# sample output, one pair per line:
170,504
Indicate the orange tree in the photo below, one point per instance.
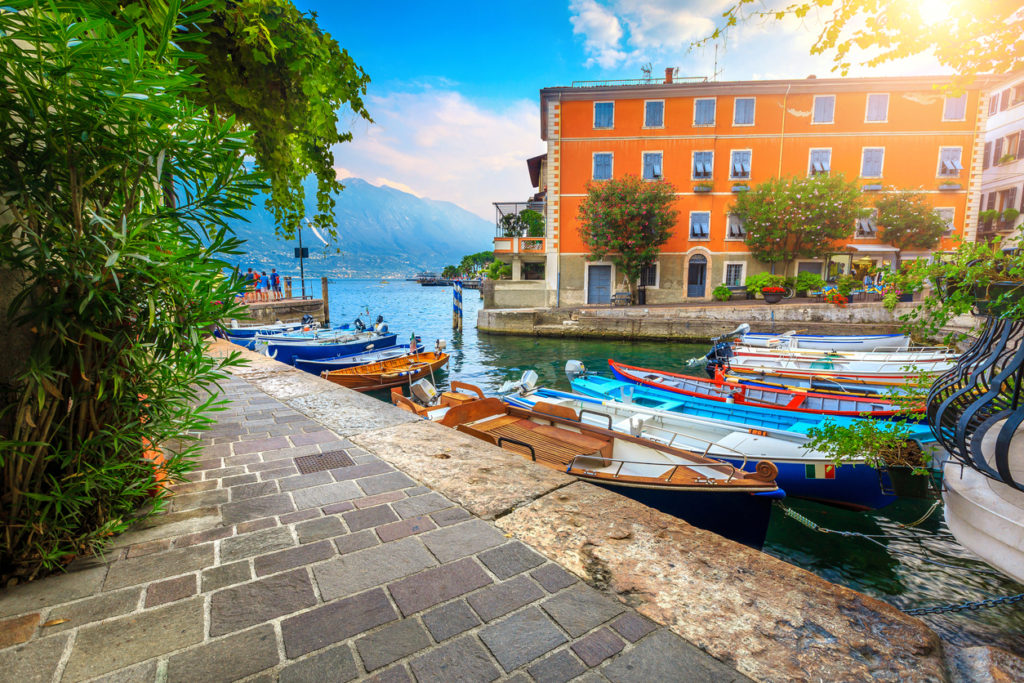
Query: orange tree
627,219
788,218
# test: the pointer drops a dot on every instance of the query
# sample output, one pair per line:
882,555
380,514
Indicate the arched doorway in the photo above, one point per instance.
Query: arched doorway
697,275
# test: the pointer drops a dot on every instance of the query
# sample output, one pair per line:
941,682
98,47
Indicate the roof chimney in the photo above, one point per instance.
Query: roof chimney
811,76
668,74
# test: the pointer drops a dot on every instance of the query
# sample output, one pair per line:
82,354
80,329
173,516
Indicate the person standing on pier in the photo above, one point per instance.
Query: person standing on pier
275,285
249,287
265,286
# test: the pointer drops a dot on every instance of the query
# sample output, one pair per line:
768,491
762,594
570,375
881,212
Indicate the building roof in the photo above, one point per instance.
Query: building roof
533,163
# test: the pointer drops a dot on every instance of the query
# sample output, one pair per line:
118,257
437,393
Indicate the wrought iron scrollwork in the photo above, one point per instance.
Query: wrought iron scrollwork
980,394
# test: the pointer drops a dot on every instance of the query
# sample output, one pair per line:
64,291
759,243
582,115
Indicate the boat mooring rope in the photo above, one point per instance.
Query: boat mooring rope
933,508
874,539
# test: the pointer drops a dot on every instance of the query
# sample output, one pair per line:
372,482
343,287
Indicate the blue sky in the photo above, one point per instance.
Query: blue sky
454,87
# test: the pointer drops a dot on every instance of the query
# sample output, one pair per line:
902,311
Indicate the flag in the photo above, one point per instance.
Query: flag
820,471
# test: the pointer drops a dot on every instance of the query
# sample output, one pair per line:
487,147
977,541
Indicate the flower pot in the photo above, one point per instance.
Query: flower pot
772,297
906,484
997,297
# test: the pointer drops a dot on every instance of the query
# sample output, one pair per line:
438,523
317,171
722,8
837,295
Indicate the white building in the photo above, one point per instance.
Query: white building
1002,179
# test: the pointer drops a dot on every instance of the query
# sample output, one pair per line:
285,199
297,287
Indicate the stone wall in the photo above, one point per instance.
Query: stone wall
287,311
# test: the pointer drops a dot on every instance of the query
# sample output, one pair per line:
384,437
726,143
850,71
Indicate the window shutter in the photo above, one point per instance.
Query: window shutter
986,158
1011,199
1020,146
1005,104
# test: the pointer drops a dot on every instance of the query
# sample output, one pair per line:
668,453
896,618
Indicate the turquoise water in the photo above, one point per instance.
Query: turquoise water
888,569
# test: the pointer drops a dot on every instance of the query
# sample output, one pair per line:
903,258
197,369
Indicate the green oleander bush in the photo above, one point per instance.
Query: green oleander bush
722,293
116,191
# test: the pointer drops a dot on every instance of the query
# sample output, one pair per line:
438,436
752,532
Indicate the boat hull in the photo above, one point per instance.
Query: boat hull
290,352
387,374
354,360
869,342
726,392
742,517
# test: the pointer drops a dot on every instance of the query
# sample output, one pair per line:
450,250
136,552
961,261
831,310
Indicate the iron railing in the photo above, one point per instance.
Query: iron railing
640,81
980,396
502,209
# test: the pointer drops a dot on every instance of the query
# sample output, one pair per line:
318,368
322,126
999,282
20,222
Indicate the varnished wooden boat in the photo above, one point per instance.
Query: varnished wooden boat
706,492
389,373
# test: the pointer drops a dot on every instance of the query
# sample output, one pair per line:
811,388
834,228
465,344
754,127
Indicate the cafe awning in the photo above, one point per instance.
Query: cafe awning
873,248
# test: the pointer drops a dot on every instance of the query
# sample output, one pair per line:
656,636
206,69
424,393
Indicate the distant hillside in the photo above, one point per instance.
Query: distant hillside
382,231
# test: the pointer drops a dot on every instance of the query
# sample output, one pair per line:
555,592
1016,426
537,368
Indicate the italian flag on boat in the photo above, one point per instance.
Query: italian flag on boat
819,471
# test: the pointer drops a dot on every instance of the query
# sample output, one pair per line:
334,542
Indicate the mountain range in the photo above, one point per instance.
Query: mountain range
382,231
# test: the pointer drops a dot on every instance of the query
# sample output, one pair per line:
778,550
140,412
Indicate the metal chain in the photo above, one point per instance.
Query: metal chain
977,604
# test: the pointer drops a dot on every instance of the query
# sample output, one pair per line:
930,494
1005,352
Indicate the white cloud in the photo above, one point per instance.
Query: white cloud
601,32
439,144
625,33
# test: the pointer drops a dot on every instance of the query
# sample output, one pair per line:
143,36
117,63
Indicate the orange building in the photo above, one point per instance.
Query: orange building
713,140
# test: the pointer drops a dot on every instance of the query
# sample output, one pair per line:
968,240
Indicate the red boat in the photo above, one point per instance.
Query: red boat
728,390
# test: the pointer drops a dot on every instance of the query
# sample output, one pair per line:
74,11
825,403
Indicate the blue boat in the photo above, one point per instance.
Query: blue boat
784,420
803,473
291,351
354,360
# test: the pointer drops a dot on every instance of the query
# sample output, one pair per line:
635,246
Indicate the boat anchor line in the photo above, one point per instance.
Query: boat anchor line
966,606
789,512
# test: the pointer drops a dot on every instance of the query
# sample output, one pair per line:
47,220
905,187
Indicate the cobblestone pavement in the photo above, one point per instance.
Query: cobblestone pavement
261,573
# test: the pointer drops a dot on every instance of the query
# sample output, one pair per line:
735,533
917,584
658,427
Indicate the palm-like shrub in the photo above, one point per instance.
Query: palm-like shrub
113,199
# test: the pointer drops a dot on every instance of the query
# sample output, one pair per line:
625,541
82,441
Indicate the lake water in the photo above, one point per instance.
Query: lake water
889,568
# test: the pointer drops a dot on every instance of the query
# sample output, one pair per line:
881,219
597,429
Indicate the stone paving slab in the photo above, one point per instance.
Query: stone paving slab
485,481
358,573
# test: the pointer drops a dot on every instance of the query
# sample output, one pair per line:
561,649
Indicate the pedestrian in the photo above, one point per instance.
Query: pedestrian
265,286
275,284
256,285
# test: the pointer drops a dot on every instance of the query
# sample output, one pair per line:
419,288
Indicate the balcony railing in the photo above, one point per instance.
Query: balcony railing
502,210
520,245
641,81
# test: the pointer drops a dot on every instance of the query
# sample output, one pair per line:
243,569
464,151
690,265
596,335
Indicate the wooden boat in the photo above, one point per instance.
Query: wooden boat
803,472
706,492
356,359
724,390
750,416
826,342
388,373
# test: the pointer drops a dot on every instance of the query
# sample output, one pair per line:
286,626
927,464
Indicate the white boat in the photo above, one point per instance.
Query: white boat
931,354
826,342
985,514
803,472
803,371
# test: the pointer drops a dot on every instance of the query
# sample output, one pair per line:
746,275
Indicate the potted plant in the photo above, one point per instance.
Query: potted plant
773,289
835,297
702,187
808,282
754,283
1007,158
740,187
1009,216
722,293
987,216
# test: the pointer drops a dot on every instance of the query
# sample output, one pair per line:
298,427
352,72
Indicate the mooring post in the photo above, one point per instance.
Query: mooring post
457,305
327,306
288,287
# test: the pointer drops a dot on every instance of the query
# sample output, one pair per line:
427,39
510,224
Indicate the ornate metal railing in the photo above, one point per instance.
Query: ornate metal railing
981,397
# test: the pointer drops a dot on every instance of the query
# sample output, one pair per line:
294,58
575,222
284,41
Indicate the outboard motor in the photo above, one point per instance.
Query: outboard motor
380,327
574,369
359,325
424,392
439,347
718,357
307,320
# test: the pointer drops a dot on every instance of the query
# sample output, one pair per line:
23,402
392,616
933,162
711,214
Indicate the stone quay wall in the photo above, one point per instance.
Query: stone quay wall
697,323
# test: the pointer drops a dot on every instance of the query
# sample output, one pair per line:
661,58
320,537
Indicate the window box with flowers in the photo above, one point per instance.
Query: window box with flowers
702,187
773,295
741,187
949,187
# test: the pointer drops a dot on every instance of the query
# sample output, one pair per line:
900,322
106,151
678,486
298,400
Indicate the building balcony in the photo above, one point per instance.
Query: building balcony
508,246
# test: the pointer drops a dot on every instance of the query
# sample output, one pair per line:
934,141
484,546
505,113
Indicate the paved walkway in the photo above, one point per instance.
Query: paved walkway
263,573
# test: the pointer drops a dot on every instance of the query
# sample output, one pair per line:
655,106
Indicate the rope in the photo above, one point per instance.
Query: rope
874,539
933,508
